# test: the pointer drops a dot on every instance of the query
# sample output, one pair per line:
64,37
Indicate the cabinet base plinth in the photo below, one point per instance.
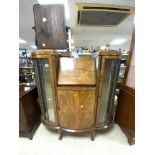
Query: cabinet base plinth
92,131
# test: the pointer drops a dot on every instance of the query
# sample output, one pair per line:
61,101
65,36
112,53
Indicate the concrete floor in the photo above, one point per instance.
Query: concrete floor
45,142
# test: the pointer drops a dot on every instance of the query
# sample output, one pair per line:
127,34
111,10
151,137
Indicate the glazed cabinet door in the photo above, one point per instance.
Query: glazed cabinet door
44,75
107,86
76,107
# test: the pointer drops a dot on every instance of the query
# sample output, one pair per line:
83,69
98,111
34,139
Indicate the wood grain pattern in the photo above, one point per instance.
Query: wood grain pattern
77,71
41,52
76,108
50,26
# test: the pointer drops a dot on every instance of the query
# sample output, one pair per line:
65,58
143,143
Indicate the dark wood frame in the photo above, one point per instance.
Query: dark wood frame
125,113
132,45
24,129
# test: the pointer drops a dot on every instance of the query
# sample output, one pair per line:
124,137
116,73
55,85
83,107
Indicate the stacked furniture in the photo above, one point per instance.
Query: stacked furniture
76,94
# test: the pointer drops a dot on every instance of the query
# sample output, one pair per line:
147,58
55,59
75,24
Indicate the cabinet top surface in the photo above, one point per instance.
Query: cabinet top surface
56,52
44,52
107,53
23,89
77,71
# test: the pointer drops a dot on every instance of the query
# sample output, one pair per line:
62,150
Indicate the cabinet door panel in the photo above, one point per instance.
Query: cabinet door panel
76,108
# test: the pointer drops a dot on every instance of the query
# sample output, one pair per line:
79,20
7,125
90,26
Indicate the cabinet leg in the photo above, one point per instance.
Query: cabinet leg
61,135
92,135
30,137
131,141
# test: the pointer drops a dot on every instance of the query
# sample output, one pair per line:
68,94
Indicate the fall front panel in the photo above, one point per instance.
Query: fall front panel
76,108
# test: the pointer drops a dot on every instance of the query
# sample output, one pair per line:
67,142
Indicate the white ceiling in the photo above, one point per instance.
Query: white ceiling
83,36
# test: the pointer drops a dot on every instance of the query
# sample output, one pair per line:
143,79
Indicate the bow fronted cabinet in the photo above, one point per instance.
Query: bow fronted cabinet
77,94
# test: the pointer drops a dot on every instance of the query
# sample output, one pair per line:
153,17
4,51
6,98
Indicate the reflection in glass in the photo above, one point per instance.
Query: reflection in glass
45,88
108,90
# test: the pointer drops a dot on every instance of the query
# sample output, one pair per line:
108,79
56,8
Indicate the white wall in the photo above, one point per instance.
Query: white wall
131,74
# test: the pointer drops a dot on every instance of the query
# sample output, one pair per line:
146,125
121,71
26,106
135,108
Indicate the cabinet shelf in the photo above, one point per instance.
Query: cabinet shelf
26,67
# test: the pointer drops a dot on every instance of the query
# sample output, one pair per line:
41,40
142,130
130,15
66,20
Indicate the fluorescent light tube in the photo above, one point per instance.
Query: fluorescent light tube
34,47
118,41
103,47
21,41
43,45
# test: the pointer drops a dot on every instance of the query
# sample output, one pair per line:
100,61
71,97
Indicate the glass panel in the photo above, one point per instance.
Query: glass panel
107,86
123,63
114,75
46,88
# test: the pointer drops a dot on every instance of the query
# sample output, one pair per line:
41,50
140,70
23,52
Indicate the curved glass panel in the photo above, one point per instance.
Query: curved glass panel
107,91
45,85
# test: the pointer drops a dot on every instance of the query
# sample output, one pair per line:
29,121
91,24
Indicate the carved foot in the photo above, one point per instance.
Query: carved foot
92,135
61,136
131,141
30,136
92,138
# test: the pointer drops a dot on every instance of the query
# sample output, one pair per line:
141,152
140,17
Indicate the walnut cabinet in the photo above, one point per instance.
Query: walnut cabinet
76,94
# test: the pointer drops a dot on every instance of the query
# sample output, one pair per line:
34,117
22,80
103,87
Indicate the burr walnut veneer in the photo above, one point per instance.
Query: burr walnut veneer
76,94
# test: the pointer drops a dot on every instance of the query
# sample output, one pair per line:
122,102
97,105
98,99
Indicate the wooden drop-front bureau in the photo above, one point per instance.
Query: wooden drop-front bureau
76,94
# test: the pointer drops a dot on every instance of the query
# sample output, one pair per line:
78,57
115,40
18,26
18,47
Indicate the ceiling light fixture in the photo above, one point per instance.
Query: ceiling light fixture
118,41
65,2
43,45
21,41
44,20
103,47
34,47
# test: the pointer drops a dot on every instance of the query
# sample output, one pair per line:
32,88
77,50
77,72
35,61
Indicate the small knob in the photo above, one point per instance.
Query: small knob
81,106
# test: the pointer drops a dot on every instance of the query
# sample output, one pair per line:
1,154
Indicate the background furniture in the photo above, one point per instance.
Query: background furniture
50,26
26,70
77,94
29,111
125,114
